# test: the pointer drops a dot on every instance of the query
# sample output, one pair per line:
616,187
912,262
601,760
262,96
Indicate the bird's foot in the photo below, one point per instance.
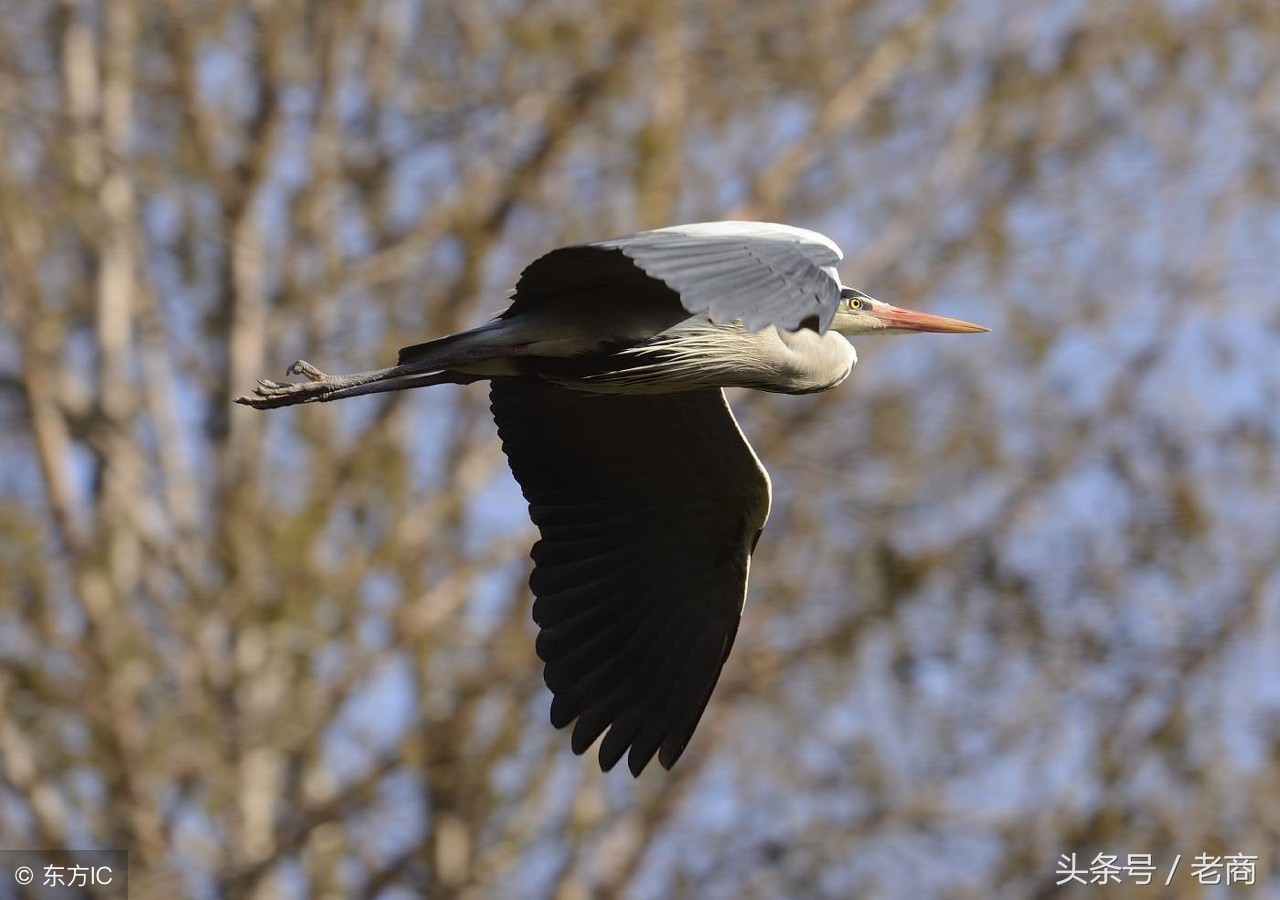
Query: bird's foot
272,394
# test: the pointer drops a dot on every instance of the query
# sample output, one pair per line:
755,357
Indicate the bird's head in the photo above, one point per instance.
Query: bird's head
859,314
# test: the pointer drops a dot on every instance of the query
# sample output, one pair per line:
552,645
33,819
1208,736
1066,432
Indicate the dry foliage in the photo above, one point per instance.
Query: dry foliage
1019,594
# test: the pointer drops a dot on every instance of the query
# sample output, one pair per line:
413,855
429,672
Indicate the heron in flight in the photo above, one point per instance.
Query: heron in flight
606,377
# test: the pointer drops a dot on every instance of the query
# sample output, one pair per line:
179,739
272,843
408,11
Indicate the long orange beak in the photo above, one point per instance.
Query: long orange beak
906,320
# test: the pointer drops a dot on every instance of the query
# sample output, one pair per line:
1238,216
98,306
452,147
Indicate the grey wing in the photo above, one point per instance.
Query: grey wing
648,508
759,272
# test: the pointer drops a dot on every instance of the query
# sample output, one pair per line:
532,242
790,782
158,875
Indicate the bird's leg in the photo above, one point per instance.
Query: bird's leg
400,384
321,388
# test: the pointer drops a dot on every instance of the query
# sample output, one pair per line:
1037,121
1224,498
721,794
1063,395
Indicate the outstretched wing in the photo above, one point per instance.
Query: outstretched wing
758,272
649,508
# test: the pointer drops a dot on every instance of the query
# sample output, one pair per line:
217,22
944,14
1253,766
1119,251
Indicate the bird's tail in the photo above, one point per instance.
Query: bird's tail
461,349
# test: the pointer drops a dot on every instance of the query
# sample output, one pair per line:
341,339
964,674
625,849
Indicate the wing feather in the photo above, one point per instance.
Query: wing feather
761,273
757,272
649,507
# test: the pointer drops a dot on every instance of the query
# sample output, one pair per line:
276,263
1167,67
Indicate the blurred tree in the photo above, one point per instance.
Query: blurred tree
1014,602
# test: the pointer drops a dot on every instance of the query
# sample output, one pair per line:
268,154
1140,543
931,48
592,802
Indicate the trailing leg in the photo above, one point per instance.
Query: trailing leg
321,388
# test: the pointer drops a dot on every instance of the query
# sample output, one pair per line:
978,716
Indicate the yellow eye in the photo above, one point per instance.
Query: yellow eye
855,301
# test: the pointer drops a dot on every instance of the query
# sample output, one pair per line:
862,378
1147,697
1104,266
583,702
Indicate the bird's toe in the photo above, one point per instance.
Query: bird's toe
306,370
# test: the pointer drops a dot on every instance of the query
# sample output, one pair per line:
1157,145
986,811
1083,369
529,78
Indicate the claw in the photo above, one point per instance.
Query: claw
306,370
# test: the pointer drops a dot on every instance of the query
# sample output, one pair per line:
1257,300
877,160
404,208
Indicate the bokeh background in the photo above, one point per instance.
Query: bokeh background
1020,593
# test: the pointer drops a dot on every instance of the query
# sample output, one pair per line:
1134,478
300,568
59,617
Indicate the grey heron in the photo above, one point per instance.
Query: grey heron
606,377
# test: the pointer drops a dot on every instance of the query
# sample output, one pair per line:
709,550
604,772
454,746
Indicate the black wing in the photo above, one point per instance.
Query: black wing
649,508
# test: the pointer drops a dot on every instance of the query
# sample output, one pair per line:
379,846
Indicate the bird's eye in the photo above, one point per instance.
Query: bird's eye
855,303
854,300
